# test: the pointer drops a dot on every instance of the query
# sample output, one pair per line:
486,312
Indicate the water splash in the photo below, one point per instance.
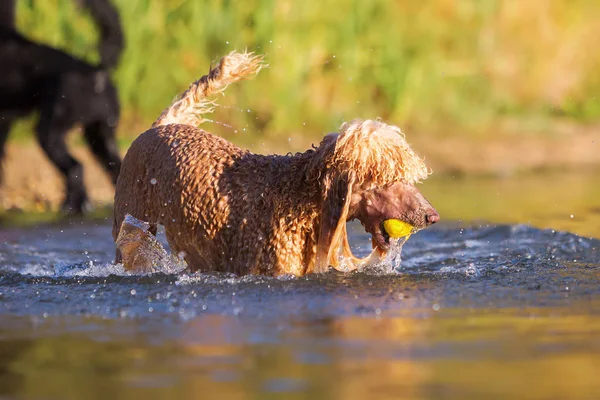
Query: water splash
89,269
391,262
473,253
142,253
223,124
394,255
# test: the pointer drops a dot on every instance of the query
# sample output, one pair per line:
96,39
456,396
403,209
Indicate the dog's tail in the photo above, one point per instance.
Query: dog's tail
111,32
194,102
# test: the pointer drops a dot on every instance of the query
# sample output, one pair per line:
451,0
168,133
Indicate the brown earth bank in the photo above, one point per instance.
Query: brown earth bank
31,183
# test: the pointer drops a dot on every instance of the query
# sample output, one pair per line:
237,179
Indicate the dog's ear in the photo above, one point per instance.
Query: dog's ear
334,213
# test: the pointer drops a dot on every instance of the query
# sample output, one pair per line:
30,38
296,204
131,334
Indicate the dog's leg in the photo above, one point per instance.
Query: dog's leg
5,125
51,136
152,229
101,139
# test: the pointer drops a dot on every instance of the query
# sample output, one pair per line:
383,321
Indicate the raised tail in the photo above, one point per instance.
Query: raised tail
111,32
193,102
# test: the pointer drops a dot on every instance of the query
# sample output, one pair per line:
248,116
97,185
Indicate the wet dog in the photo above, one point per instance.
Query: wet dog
227,209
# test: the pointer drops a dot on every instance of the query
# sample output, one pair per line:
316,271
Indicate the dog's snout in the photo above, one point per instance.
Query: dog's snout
432,217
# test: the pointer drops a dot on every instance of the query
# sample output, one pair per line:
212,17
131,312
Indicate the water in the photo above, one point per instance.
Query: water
476,310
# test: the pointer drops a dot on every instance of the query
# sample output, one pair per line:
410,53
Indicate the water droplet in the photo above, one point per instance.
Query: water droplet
153,181
436,307
133,292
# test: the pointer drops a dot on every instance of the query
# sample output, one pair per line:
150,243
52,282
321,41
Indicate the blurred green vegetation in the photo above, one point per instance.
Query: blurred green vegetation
432,67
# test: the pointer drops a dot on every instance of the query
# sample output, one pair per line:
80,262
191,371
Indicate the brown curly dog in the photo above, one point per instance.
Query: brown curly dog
226,209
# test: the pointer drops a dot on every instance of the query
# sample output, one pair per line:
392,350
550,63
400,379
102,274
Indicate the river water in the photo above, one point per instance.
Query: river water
501,300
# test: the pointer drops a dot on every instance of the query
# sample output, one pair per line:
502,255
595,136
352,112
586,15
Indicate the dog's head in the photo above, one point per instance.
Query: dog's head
369,174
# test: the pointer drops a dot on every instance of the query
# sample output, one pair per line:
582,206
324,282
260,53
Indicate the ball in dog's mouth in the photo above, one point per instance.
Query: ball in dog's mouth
389,229
397,229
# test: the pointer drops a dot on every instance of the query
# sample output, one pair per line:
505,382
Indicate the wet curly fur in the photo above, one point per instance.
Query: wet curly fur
226,209
65,91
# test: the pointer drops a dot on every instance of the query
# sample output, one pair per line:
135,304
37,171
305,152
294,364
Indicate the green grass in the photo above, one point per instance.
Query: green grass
433,67
29,218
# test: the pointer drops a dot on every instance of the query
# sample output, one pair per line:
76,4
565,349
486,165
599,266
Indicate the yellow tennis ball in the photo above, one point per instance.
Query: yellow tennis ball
396,228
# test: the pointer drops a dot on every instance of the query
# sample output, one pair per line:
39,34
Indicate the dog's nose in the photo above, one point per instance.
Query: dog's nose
432,218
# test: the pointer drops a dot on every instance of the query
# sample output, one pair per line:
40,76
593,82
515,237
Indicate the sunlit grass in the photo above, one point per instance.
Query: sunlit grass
31,218
430,66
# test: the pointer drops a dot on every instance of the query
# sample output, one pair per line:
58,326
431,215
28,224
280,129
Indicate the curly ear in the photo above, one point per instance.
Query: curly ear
334,213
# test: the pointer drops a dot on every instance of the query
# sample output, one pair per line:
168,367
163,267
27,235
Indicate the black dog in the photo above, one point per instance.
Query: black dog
66,91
